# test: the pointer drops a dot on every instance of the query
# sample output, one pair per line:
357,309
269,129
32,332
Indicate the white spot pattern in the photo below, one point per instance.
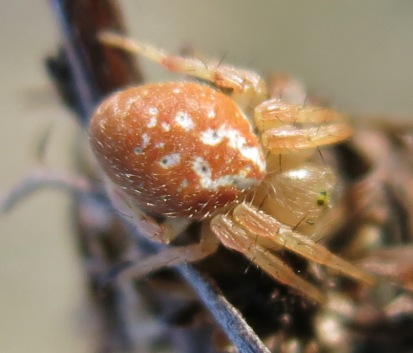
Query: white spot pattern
236,141
211,113
184,185
145,140
152,122
170,160
145,143
184,120
130,101
203,170
211,137
166,126
153,111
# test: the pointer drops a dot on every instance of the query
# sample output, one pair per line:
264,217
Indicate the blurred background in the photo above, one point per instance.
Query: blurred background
358,56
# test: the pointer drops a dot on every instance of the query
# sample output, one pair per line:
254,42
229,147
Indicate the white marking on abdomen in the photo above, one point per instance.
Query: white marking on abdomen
203,170
236,141
184,120
170,160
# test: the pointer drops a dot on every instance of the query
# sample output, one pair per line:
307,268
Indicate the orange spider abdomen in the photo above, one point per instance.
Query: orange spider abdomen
177,149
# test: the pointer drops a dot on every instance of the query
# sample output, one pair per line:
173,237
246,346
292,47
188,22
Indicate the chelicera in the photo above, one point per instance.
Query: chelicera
240,163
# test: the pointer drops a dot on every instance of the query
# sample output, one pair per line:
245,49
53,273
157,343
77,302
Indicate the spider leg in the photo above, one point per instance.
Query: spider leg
289,138
172,256
269,230
236,237
247,87
275,112
161,232
288,128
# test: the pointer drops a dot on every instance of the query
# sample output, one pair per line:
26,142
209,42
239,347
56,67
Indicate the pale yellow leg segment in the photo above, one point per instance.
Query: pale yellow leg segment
288,128
235,237
246,86
174,256
290,138
276,112
268,230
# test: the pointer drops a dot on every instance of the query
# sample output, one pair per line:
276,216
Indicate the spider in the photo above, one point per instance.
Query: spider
239,162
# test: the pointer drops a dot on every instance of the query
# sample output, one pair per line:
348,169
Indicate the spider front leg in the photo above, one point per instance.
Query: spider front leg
288,128
259,236
247,88
273,235
235,237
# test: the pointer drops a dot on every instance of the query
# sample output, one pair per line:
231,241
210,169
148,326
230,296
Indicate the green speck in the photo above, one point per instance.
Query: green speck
322,198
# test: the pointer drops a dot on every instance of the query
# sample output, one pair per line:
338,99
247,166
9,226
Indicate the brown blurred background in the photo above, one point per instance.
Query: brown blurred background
356,55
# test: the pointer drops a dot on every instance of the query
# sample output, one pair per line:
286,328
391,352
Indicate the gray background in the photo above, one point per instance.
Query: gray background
356,54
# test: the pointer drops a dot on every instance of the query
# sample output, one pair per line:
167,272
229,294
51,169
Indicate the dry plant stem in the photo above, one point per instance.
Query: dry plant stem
84,72
43,178
93,72
231,321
